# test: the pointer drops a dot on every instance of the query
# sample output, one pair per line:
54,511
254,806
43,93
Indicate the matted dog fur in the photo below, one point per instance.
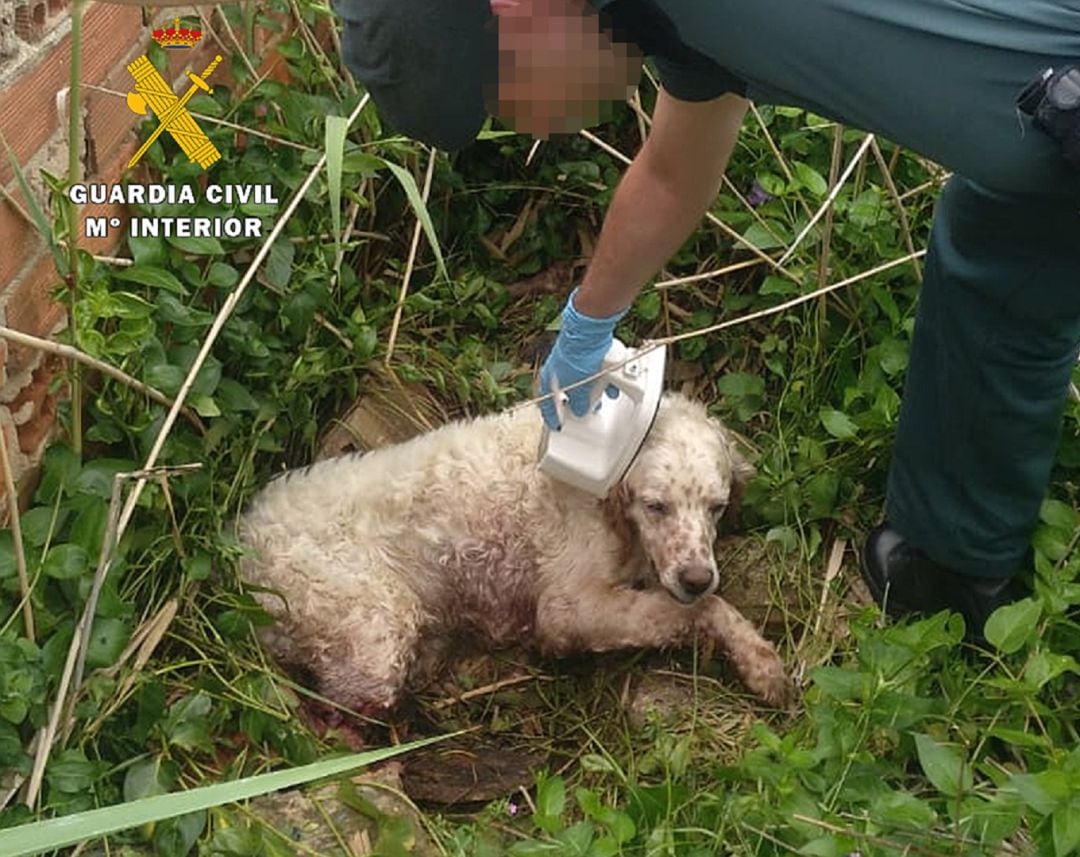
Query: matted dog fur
378,562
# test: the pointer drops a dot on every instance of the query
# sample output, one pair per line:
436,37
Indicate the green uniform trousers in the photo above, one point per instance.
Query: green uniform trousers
998,325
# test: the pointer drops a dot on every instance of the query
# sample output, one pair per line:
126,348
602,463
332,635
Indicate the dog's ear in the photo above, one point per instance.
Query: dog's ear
615,513
742,471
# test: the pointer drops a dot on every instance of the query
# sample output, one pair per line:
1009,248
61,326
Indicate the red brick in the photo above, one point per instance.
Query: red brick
20,242
115,164
30,21
31,309
28,115
8,436
35,430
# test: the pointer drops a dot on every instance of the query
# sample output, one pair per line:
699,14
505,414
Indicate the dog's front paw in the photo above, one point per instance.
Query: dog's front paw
764,675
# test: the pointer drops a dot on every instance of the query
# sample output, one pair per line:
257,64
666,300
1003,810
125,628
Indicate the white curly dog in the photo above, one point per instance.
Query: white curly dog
378,562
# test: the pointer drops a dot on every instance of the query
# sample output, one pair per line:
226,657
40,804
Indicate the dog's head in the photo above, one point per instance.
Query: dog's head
686,479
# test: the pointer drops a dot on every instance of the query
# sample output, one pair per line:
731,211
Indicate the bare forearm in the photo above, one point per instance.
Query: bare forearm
661,199
649,219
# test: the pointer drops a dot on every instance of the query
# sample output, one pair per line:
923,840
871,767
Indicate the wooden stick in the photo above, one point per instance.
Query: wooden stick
400,308
16,536
827,204
494,687
70,353
905,227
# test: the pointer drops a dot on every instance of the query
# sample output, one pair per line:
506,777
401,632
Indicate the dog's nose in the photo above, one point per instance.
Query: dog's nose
695,579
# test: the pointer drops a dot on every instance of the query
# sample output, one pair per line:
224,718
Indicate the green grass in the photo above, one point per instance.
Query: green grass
904,740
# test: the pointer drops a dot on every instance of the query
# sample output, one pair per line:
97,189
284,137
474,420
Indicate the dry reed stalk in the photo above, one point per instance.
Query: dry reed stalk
70,353
780,159
413,248
707,275
826,235
16,536
905,227
856,159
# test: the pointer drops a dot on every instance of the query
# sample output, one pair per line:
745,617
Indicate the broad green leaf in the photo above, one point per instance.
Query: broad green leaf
188,722
1017,737
233,396
865,209
205,406
170,309
1066,829
550,804
821,490
8,563
357,161
620,825
64,562
647,306
146,778
811,179
40,524
69,772
201,246
1045,791
784,536
164,377
222,275
828,845
774,284
198,567
107,641
149,275
1043,666
943,766
577,838
838,424
1051,543
412,192
60,832
902,809
738,384
758,236
839,683
892,355
175,837
99,474
147,251
11,748
1060,516
1009,627
278,268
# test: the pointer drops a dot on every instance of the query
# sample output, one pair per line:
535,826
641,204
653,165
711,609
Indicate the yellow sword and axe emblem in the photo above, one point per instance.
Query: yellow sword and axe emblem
151,88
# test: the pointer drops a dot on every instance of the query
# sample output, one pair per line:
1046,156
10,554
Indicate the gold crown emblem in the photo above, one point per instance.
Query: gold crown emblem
177,37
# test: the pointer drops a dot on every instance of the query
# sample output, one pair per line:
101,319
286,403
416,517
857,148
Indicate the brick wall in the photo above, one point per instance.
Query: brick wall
35,52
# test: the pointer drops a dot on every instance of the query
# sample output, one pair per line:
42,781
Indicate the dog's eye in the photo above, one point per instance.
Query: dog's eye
656,507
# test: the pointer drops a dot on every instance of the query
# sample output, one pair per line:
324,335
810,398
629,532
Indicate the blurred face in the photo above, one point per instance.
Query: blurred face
559,70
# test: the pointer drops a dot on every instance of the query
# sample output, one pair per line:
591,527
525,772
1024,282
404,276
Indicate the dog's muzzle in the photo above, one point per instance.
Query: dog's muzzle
693,582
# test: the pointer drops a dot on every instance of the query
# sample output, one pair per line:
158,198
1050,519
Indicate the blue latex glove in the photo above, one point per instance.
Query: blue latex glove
578,352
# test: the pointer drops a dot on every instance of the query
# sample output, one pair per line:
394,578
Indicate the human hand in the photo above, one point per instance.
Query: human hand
577,354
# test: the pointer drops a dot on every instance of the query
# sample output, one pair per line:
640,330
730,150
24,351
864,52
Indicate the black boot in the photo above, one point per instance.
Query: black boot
904,580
